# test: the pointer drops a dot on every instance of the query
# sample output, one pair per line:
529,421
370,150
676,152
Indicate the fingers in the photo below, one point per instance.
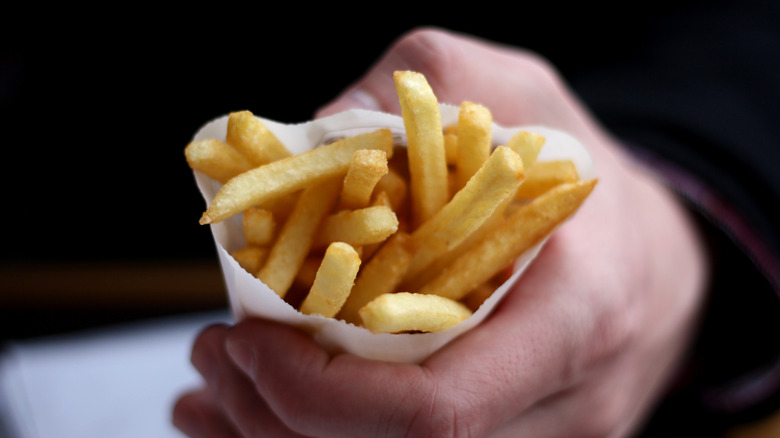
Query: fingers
314,394
462,68
232,390
198,416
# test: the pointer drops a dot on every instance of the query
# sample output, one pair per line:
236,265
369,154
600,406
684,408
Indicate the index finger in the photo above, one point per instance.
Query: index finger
453,65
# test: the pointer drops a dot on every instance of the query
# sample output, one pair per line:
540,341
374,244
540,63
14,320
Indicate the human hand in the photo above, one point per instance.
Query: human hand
583,345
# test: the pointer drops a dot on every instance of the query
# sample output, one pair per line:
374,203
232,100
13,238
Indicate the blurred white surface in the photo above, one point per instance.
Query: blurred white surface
117,382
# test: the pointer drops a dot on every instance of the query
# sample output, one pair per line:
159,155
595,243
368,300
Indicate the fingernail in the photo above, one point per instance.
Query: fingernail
357,98
243,355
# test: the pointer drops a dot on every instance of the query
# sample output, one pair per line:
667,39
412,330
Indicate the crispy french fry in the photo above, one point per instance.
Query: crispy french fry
405,312
283,206
305,276
358,227
259,226
474,140
296,237
381,199
333,282
287,175
527,145
396,188
474,299
489,189
379,275
451,148
251,137
546,175
528,226
423,276
250,257
367,168
215,159
427,161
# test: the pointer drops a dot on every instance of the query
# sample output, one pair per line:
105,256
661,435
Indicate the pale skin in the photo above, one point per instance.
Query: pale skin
585,344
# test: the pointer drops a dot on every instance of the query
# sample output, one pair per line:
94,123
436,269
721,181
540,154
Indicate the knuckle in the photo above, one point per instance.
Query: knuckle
429,51
450,412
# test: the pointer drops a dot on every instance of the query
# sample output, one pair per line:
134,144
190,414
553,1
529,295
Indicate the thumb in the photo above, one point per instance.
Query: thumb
518,86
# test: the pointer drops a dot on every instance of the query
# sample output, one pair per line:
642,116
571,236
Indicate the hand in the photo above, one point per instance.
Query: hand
585,344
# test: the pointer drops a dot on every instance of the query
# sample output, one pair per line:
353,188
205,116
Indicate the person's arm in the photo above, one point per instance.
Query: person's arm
586,342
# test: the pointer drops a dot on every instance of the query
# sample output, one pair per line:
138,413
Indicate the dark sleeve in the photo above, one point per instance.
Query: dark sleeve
698,100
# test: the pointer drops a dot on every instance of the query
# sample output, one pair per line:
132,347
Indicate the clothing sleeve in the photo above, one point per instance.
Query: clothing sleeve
696,101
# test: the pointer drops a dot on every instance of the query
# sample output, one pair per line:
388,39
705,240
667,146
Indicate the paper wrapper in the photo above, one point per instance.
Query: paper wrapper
249,297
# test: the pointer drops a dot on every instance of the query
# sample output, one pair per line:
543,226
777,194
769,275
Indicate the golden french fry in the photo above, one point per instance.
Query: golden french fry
305,276
297,235
451,148
259,226
423,276
425,144
381,274
251,137
381,199
358,227
488,190
474,140
333,281
215,159
287,175
396,188
250,257
406,312
526,227
546,175
475,298
367,168
527,145
283,206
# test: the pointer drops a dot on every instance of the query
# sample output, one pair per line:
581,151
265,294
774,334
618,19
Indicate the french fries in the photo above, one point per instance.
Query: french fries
474,141
425,144
393,239
333,281
259,226
512,237
252,139
297,236
358,227
367,168
284,176
409,312
216,159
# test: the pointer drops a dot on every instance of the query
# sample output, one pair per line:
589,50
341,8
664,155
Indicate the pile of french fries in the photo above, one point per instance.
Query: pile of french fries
391,237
